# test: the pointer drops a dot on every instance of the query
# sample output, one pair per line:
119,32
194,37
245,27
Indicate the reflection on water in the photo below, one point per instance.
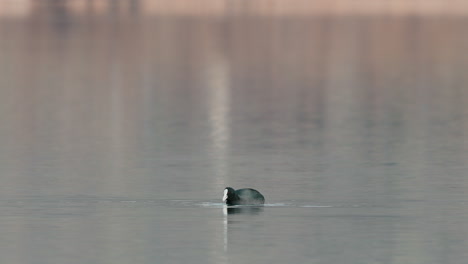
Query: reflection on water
229,211
218,85
354,127
243,210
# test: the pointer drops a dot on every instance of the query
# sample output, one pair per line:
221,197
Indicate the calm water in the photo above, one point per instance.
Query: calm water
120,130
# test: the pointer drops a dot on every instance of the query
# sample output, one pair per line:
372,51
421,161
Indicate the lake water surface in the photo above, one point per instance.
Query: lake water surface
119,131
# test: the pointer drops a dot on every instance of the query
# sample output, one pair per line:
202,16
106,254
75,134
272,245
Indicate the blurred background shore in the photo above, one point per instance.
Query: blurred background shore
21,8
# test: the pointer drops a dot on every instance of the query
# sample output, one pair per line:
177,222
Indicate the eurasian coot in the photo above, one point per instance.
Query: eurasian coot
245,196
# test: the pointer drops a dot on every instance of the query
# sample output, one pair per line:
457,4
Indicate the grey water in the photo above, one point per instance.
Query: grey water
120,129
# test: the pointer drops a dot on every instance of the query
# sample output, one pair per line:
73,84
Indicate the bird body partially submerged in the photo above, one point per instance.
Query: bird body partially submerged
246,196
